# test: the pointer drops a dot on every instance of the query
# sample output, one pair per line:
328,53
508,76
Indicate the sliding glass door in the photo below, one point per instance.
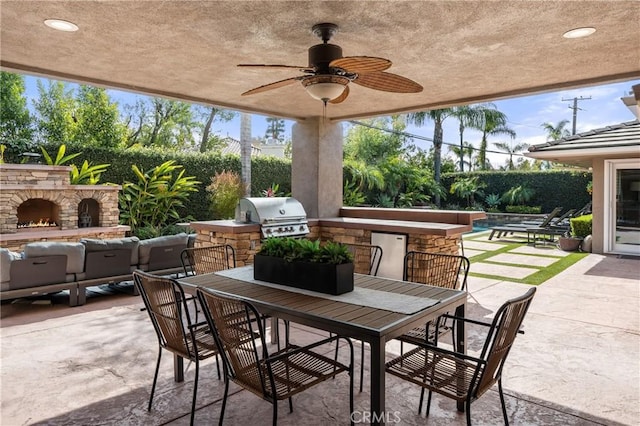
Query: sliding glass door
622,226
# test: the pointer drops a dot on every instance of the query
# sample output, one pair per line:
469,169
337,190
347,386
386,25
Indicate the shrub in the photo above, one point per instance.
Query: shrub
581,226
493,201
225,191
154,199
60,159
523,209
87,174
518,195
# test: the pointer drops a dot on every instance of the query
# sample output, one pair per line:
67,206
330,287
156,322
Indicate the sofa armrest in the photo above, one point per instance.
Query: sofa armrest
35,271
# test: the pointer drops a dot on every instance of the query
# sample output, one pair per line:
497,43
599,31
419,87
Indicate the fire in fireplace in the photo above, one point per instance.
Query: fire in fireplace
38,213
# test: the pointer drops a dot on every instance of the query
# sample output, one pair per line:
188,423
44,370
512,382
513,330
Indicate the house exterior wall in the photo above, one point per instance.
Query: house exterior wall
598,225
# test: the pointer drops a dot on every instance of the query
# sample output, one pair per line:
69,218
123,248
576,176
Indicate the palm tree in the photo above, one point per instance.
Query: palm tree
438,116
556,132
468,116
466,151
511,150
245,151
493,123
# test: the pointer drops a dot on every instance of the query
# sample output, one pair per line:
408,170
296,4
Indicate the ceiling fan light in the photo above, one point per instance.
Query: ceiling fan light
325,91
325,87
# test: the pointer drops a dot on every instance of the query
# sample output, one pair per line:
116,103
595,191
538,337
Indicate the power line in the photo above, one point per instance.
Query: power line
424,138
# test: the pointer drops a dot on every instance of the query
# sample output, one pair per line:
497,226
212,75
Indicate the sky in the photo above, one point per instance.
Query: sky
525,116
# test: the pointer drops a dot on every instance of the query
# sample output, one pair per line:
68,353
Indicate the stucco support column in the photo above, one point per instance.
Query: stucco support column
316,169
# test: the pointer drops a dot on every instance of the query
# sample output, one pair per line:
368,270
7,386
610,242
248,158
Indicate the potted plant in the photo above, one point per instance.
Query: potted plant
580,228
305,264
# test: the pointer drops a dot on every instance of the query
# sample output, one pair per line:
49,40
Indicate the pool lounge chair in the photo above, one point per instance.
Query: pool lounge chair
524,227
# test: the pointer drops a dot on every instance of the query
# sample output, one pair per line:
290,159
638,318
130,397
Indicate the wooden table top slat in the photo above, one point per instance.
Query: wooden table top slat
311,309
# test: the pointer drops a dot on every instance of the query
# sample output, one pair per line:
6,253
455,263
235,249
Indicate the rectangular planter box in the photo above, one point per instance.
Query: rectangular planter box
320,277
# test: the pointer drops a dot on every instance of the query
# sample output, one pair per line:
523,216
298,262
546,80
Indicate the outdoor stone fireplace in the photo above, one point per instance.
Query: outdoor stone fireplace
38,203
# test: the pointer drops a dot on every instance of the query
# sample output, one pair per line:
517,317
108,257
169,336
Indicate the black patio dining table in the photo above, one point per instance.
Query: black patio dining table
374,325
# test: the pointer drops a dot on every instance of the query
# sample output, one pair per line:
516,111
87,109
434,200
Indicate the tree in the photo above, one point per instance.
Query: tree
245,152
379,168
98,119
556,132
161,122
371,145
16,131
467,150
56,119
468,116
493,123
15,120
207,140
511,150
275,128
437,116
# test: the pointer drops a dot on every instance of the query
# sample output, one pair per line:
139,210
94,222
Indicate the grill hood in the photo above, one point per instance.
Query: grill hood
278,216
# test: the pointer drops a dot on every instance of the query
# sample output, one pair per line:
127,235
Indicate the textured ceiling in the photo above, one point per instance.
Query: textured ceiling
460,51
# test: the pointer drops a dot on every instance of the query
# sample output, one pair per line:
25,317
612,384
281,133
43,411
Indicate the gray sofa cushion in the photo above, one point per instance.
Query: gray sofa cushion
144,249
114,244
6,257
73,251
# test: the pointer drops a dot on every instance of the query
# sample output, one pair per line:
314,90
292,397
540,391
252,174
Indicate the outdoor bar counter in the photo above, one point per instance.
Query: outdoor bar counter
426,230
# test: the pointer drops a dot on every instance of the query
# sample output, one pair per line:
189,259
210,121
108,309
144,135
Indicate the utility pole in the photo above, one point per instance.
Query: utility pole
575,109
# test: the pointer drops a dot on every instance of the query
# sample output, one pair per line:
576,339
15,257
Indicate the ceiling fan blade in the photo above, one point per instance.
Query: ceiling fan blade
388,82
361,64
342,97
301,68
270,86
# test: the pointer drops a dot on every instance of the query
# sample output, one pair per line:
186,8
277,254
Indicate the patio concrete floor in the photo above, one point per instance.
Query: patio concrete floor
578,363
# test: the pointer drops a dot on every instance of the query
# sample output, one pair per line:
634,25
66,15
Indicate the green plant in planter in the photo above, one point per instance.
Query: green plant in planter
305,264
304,250
335,253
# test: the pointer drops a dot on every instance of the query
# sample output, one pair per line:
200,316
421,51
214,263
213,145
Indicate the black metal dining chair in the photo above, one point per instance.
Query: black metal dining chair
166,304
204,260
247,362
440,270
461,377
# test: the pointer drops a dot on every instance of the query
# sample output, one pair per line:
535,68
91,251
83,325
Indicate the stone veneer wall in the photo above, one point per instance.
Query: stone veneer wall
18,245
247,244
21,182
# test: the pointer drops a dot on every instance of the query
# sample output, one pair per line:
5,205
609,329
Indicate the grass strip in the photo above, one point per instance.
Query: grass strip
542,275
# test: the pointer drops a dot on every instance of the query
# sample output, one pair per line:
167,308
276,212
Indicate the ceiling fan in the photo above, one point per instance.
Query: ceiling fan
329,73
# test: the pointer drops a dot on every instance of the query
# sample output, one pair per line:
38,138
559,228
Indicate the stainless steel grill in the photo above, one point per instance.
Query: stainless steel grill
277,216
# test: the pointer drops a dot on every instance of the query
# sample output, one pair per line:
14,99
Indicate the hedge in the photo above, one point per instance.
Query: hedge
264,170
563,188
566,188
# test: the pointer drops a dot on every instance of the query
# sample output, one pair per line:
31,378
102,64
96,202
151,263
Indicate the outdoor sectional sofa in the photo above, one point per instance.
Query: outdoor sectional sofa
50,267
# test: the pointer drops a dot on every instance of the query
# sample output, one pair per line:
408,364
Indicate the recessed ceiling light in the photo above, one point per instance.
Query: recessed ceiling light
61,25
579,32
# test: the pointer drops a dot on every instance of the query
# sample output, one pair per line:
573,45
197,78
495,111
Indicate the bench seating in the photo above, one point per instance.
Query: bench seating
50,267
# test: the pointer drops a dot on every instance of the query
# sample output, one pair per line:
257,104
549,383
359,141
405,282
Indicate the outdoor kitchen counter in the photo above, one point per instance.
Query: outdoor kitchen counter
382,225
228,226
396,226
